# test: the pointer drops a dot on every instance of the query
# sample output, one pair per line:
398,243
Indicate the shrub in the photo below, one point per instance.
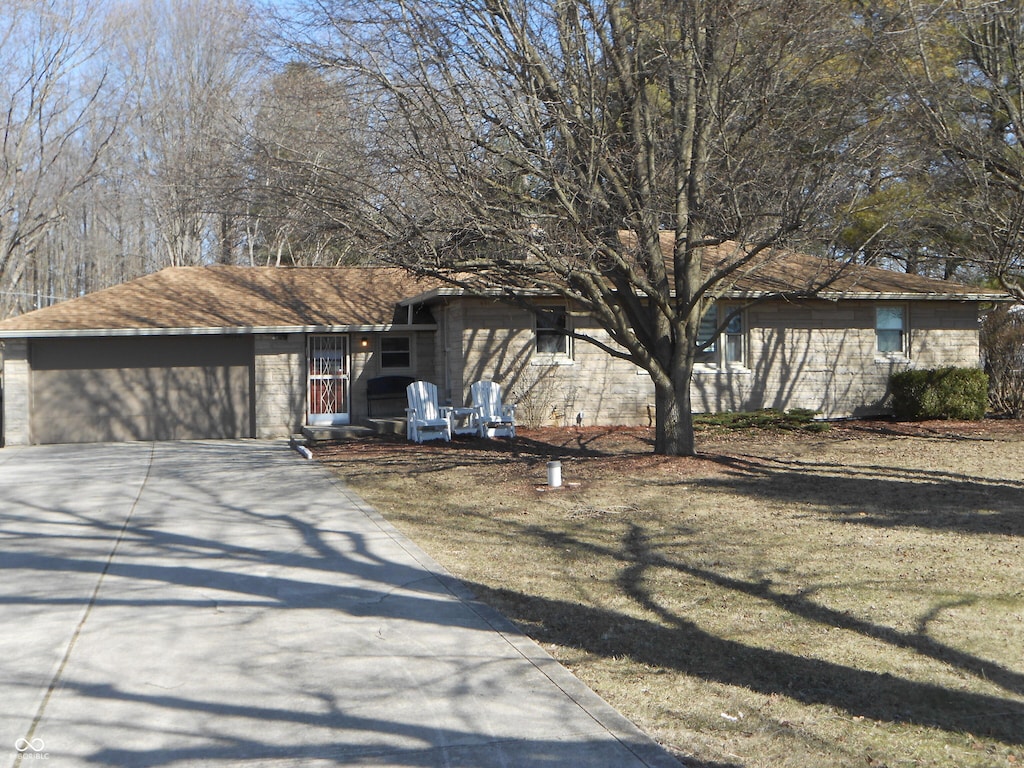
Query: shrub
767,418
542,399
941,393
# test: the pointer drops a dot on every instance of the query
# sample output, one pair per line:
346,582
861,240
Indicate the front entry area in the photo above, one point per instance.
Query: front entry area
327,380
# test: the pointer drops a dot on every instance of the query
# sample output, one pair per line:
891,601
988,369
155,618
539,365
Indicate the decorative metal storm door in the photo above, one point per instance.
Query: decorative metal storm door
327,380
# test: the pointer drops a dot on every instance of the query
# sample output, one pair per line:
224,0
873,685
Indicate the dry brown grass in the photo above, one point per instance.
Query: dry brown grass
854,598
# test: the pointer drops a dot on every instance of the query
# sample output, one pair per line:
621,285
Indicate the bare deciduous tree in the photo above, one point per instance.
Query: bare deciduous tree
55,128
517,140
307,139
192,66
1002,346
963,66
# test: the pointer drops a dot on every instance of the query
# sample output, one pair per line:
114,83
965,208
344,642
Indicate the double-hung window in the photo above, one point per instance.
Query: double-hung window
722,348
891,330
732,341
552,332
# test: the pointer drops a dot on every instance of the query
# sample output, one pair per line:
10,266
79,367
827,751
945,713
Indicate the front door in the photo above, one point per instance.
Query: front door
327,380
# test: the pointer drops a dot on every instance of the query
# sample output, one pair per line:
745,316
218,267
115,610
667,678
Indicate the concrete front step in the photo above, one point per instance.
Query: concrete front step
354,431
392,426
340,432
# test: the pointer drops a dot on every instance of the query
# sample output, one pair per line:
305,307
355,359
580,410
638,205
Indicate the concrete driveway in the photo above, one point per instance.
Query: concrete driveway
228,603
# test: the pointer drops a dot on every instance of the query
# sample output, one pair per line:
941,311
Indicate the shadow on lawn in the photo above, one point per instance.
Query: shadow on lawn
880,495
685,647
676,643
679,644
867,494
542,443
469,451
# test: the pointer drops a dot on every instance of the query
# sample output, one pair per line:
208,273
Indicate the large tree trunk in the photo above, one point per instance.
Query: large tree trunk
673,418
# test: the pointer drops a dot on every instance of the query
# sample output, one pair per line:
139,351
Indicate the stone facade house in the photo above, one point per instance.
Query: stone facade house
236,352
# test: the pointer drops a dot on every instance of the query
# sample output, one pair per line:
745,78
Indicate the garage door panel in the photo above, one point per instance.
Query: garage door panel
77,402
150,352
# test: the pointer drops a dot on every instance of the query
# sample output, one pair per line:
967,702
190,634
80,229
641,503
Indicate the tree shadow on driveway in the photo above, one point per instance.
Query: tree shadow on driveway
256,611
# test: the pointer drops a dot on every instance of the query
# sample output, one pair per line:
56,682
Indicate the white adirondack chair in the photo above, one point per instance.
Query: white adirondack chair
426,420
492,418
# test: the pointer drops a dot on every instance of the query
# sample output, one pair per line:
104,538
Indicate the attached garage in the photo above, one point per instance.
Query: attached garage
141,388
207,352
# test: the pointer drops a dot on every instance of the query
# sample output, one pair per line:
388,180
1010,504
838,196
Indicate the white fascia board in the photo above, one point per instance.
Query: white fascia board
432,295
447,292
869,296
213,331
451,292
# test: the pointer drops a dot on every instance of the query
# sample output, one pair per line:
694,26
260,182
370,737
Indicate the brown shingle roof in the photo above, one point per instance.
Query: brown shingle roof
227,297
785,271
236,299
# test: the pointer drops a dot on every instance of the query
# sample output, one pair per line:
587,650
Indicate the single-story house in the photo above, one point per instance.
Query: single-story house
233,352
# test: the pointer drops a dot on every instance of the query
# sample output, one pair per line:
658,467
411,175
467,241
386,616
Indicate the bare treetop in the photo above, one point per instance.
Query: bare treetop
519,138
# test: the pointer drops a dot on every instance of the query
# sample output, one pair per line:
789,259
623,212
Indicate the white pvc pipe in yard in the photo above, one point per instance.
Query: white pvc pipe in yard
555,474
303,450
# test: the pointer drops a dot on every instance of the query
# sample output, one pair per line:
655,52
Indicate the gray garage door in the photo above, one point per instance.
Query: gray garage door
152,388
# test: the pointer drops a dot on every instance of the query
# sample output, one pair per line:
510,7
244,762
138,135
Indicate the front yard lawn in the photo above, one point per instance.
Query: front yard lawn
847,598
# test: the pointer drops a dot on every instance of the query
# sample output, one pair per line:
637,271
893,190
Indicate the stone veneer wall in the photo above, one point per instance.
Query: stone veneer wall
279,383
491,340
15,393
821,355
810,354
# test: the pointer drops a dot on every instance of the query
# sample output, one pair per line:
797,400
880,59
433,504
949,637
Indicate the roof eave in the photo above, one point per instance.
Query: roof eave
436,294
213,331
876,296
447,292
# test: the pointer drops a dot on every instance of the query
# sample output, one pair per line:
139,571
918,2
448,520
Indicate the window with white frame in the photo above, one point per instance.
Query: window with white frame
552,331
726,348
891,330
395,353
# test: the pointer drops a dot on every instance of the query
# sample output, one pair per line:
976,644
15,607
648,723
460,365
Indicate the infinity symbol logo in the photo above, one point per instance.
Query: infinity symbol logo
24,745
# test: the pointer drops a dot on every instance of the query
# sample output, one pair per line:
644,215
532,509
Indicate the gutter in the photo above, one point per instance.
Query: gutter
71,333
873,296
444,292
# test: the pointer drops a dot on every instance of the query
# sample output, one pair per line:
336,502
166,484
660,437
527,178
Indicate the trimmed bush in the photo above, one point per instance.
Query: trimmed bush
767,418
941,393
